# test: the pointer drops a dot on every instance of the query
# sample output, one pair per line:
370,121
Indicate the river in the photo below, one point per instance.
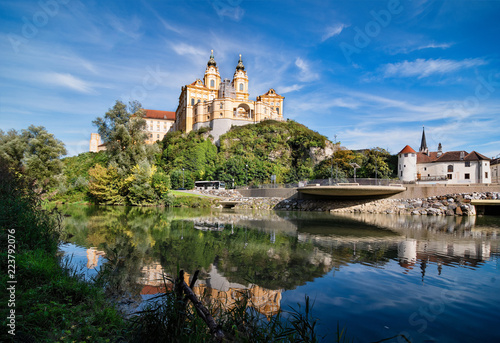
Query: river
429,278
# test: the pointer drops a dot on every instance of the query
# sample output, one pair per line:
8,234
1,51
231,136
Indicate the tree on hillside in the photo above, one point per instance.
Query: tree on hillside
123,130
194,152
12,147
34,151
337,166
375,164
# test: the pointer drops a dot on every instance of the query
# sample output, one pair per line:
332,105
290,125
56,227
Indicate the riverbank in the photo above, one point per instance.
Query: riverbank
44,301
446,205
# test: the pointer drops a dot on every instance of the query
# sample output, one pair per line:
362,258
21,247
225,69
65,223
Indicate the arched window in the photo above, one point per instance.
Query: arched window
212,83
450,168
241,86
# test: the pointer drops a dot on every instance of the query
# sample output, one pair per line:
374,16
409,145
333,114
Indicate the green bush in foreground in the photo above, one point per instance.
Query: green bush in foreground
52,303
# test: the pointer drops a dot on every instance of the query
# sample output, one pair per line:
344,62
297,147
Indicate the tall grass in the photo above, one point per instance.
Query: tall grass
169,318
52,303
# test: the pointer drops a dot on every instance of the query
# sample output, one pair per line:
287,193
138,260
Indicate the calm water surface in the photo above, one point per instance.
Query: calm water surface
433,279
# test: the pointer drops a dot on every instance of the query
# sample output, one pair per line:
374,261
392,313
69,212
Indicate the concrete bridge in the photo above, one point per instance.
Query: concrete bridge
487,207
352,190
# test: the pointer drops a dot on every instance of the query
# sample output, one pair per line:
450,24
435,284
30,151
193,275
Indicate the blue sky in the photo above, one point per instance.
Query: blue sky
370,72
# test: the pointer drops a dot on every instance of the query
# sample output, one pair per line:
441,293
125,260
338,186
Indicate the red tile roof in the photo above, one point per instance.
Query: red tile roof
475,156
450,156
407,149
155,114
148,289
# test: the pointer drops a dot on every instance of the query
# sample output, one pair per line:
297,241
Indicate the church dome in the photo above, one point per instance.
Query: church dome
211,61
240,65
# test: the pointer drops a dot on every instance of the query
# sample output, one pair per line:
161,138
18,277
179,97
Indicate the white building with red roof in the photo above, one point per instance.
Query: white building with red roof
452,167
158,123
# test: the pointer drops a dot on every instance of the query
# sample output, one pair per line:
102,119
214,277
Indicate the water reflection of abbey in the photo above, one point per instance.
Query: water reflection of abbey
420,243
215,286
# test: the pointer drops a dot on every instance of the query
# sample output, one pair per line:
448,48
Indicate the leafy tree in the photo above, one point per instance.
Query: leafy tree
105,185
374,162
181,179
12,148
123,130
161,183
140,185
337,166
193,152
34,151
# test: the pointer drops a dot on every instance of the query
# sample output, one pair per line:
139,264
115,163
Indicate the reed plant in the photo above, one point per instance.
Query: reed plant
169,318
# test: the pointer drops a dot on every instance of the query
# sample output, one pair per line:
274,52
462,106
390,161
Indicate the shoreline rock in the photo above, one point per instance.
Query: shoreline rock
445,205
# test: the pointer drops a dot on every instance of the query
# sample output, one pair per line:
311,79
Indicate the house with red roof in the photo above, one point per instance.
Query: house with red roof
452,167
158,123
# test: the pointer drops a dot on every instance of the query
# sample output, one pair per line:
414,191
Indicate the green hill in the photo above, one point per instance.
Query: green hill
248,154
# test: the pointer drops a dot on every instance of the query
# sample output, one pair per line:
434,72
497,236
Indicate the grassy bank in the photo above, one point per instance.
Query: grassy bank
42,301
173,199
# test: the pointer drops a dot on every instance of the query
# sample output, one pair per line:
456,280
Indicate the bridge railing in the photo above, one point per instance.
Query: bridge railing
326,182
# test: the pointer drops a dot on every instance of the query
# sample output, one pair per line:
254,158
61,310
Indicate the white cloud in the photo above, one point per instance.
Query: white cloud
305,74
415,47
424,68
129,26
186,49
68,80
288,89
332,31
435,46
228,10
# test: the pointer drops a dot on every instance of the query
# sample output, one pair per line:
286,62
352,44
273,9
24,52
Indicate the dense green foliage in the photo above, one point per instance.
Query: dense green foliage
131,172
123,131
188,158
34,151
51,303
252,153
248,154
375,162
74,186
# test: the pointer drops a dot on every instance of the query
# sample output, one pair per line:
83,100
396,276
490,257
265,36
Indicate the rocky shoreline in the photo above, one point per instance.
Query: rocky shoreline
445,205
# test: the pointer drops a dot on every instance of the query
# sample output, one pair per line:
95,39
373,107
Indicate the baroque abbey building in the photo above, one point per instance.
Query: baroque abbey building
213,103
220,104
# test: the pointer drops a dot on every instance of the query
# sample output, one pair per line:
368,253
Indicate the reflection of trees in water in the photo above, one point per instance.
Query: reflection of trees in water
272,250
134,237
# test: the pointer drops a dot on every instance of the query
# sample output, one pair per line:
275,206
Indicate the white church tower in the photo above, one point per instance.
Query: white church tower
407,164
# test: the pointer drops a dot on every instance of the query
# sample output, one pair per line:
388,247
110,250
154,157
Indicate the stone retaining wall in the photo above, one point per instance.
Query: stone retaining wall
449,205
412,191
425,191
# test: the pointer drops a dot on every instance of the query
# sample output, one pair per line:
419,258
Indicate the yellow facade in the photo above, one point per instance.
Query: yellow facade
220,104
